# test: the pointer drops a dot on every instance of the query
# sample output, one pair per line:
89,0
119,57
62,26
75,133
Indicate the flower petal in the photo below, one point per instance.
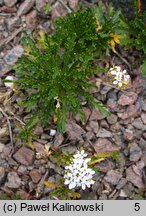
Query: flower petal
120,84
72,185
66,182
113,72
115,82
83,186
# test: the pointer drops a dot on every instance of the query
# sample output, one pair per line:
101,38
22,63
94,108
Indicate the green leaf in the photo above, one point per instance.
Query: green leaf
143,68
32,121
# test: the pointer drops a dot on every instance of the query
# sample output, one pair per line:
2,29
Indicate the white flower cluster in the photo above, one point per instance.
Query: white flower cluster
78,174
120,76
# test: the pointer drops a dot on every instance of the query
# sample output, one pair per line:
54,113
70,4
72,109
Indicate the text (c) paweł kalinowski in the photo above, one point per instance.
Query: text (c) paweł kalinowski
61,207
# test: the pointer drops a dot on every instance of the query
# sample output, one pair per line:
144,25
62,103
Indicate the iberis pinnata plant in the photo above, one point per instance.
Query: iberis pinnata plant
54,71
119,77
78,174
79,171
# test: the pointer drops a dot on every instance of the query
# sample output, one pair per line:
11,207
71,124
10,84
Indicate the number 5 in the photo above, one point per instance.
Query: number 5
137,207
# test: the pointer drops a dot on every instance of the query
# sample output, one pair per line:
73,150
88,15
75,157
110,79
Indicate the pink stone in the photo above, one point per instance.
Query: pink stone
96,115
112,119
74,131
135,152
31,20
104,145
13,180
128,135
24,156
58,10
132,111
35,175
73,4
10,3
2,175
39,148
113,177
127,99
134,177
143,117
25,7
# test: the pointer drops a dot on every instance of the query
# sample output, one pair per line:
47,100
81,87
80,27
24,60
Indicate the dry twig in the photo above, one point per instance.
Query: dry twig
16,118
7,40
68,9
124,60
5,14
107,84
9,126
40,186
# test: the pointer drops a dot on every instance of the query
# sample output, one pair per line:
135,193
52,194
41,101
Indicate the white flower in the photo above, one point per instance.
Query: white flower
78,174
118,68
126,77
58,104
52,132
120,77
113,72
9,84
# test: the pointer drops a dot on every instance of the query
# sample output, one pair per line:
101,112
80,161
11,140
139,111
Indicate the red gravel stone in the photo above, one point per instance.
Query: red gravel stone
96,115
94,126
143,117
138,124
10,3
2,175
35,175
132,111
25,7
133,174
24,156
104,124
6,152
112,119
58,10
104,145
144,135
73,4
127,99
40,4
128,135
74,131
39,148
31,20
13,180
113,177
135,152
5,9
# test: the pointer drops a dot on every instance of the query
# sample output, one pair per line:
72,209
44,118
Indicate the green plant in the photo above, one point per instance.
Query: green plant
55,68
111,26
47,8
115,156
136,37
59,158
77,169
4,196
62,192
